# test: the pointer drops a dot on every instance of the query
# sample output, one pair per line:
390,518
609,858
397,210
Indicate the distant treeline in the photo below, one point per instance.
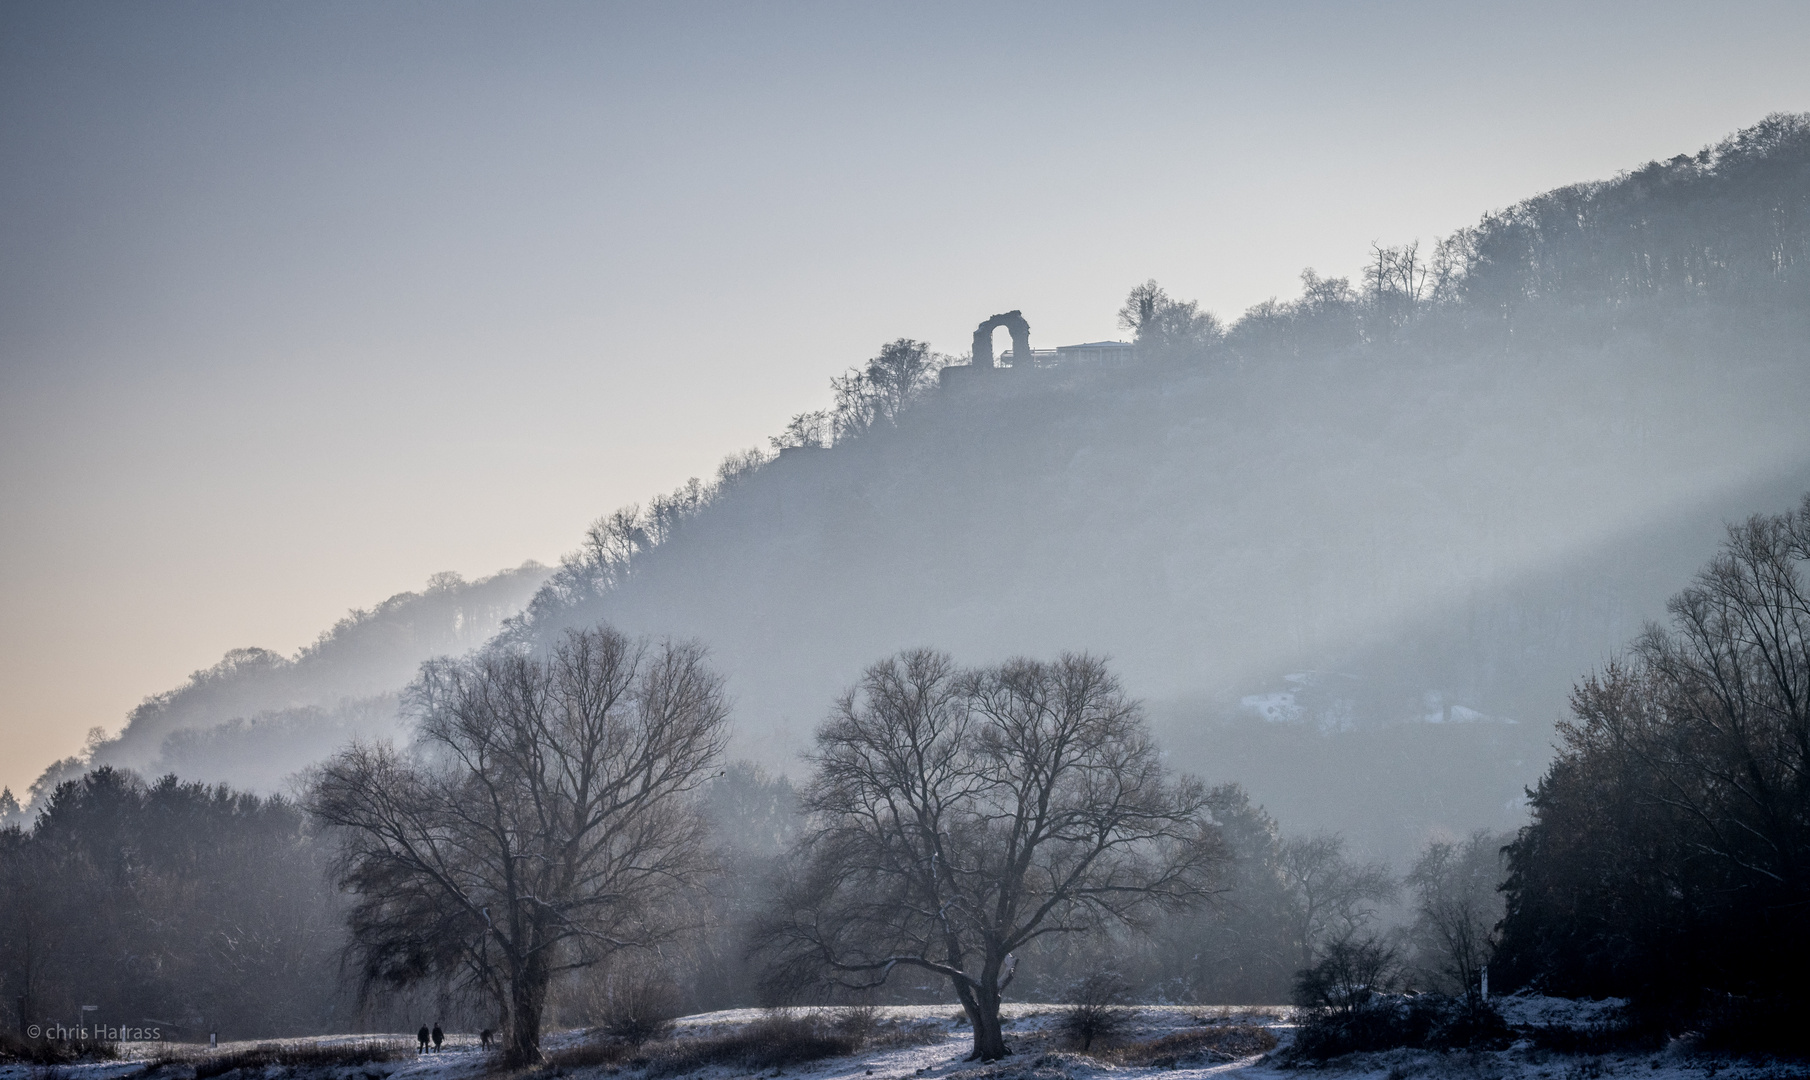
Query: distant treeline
1735,217
172,905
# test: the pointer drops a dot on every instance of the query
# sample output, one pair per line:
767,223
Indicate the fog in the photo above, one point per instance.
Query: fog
256,717
1433,539
1205,659
1353,549
302,304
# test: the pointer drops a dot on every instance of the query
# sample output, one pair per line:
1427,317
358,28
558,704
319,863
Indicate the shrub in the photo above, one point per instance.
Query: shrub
1755,1026
1096,1012
1348,975
641,1011
858,1022
1604,1038
1380,1023
1387,1022
1460,1023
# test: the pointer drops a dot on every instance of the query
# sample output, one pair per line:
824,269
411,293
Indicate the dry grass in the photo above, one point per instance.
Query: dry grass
586,1054
303,1055
776,1042
783,1041
54,1051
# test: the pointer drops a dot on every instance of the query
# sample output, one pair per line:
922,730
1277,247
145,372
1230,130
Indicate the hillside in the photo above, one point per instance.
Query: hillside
257,716
1433,506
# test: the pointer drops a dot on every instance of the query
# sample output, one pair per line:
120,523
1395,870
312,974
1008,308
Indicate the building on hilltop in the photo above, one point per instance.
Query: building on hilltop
1024,358
1088,352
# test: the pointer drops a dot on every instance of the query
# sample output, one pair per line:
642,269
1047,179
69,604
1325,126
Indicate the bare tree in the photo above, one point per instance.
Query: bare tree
959,816
1096,1009
615,543
878,393
1167,328
541,823
1457,906
1394,284
1329,897
807,429
902,373
1734,677
1351,971
1452,258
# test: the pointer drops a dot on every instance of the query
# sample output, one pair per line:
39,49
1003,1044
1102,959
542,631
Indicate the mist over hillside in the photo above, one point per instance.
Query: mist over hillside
1430,540
257,716
1352,549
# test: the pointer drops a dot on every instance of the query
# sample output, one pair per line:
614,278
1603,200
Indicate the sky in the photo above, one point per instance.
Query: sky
302,303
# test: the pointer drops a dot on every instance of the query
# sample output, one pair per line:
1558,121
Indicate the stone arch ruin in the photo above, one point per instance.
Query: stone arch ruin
1020,330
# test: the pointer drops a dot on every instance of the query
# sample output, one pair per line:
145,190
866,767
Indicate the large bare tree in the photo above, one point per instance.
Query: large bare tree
959,816
540,822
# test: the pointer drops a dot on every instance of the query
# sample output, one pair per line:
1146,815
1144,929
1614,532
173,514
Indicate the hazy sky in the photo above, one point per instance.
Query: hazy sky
300,303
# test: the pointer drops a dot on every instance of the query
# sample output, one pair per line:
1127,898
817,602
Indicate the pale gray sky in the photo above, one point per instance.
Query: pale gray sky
301,303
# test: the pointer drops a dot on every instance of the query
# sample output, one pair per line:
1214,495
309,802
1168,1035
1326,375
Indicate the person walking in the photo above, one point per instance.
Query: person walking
439,1036
421,1036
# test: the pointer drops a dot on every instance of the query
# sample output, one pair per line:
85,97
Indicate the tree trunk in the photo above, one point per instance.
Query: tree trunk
989,1039
527,997
981,1003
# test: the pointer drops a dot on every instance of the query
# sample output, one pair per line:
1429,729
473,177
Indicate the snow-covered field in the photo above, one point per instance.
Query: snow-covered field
927,1042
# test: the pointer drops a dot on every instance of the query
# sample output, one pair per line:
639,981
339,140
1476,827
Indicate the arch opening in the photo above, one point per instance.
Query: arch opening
1020,332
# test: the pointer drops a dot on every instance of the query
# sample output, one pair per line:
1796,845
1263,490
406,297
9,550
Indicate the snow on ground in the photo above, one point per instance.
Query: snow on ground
1538,1010
936,1041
